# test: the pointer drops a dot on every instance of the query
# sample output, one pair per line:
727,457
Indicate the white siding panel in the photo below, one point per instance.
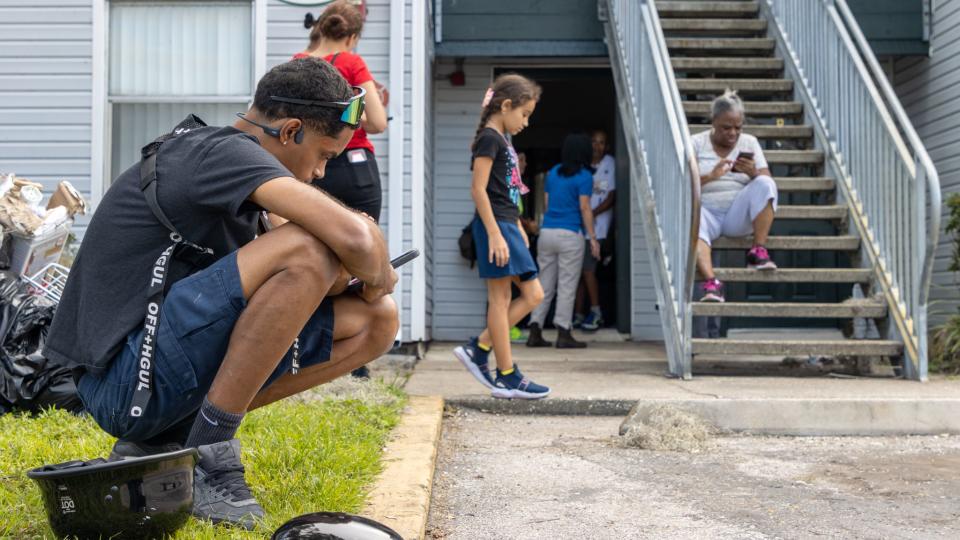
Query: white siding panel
45,90
460,297
929,89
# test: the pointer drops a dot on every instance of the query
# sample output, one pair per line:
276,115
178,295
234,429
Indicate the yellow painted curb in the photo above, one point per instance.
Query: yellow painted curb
401,496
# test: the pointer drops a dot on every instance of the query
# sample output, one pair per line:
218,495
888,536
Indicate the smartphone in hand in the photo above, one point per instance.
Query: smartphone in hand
354,285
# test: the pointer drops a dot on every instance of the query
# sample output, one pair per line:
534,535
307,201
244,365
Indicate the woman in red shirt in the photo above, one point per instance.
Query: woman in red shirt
353,177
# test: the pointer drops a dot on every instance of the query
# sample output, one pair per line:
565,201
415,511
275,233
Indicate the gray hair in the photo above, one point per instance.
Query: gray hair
728,102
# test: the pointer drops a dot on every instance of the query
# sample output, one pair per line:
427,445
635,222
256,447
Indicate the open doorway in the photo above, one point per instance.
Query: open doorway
577,99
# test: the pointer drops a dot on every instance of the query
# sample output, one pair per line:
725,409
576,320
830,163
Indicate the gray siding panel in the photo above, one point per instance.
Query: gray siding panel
459,295
929,89
45,90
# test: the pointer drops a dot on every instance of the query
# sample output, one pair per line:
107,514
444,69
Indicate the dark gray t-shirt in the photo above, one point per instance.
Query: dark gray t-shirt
204,178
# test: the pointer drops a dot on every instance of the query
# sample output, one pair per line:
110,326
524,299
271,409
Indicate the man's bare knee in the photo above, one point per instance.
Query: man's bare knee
311,257
385,321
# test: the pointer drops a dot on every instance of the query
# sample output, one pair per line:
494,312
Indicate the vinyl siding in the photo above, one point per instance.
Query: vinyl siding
45,90
929,89
459,303
287,36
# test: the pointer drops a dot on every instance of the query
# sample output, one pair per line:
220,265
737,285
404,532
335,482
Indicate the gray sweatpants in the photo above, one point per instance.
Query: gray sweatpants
560,256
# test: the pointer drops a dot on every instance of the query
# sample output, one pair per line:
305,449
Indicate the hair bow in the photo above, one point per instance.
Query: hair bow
487,98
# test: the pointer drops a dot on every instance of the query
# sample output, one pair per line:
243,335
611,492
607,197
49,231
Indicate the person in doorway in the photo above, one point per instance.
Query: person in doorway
560,248
601,201
503,256
243,321
352,177
738,195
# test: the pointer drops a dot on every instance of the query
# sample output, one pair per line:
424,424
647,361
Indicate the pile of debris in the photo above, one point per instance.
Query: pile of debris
32,237
35,235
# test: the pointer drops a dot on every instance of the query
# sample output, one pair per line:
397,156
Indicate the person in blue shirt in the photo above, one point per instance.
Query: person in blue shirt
560,248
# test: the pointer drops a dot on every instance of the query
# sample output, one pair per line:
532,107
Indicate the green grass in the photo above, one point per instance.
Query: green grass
301,456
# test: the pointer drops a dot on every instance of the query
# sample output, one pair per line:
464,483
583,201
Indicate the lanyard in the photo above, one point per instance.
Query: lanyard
179,248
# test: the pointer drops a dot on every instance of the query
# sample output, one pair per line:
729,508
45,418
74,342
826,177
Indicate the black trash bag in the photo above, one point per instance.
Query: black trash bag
28,381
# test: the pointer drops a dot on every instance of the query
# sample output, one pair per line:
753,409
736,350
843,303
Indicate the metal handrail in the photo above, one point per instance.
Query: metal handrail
906,127
892,180
665,170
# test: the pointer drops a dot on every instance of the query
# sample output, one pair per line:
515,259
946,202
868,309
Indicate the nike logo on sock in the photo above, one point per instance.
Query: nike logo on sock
207,418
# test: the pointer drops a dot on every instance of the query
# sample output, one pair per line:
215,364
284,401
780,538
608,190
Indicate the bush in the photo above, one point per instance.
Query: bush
945,339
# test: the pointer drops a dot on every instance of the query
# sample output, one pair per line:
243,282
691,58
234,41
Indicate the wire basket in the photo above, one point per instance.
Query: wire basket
49,281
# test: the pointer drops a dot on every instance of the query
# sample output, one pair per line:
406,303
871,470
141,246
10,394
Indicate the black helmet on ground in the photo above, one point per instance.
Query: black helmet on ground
334,526
146,497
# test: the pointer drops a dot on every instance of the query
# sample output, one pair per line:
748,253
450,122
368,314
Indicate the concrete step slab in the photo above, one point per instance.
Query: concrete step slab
795,275
721,45
714,27
743,86
753,108
794,157
813,243
709,65
866,308
830,211
797,347
766,131
805,183
707,9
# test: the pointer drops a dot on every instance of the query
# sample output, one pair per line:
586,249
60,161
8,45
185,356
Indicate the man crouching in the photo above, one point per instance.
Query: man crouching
178,319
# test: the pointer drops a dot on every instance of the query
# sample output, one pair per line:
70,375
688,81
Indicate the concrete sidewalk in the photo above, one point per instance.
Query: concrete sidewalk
612,375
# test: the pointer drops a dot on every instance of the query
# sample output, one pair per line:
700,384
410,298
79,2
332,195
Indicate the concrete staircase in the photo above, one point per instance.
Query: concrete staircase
715,45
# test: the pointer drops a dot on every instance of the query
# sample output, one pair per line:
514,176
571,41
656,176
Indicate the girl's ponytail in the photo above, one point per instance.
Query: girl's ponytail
517,88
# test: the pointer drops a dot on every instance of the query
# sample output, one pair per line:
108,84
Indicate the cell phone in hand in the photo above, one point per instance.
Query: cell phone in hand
354,285
745,155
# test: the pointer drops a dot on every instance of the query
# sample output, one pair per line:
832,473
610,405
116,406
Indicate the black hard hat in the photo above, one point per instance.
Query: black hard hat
145,497
334,526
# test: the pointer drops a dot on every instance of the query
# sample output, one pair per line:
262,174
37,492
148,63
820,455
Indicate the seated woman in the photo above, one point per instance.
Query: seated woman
737,194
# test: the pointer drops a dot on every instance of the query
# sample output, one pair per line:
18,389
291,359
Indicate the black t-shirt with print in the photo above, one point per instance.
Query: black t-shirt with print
204,178
503,197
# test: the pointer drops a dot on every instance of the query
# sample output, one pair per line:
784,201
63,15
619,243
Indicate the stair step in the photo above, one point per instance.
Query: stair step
719,64
827,347
826,211
717,27
715,45
795,243
862,308
707,9
766,131
804,183
743,86
793,157
794,275
753,108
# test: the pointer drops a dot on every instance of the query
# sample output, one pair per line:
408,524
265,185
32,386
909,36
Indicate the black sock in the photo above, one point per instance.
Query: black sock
212,425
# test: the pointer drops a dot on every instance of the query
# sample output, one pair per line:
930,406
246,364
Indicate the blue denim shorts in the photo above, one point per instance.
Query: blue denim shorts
196,321
521,262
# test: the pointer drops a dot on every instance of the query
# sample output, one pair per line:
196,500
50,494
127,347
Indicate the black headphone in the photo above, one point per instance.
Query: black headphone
272,131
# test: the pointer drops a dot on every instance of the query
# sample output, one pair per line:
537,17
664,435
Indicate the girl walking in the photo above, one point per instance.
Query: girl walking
503,255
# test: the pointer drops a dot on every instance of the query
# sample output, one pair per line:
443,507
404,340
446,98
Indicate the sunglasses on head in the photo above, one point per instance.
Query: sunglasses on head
352,108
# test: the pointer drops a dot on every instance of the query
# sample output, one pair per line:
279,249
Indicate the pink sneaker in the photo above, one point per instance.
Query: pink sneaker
759,259
712,291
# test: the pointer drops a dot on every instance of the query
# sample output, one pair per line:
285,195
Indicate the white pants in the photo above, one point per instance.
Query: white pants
560,256
738,219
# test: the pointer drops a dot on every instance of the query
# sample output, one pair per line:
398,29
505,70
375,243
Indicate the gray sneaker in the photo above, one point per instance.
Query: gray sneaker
220,493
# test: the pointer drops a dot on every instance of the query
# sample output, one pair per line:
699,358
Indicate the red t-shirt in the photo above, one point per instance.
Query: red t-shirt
355,71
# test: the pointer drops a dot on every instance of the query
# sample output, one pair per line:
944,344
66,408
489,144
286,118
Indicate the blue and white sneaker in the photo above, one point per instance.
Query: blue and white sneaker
517,386
593,322
578,320
475,360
